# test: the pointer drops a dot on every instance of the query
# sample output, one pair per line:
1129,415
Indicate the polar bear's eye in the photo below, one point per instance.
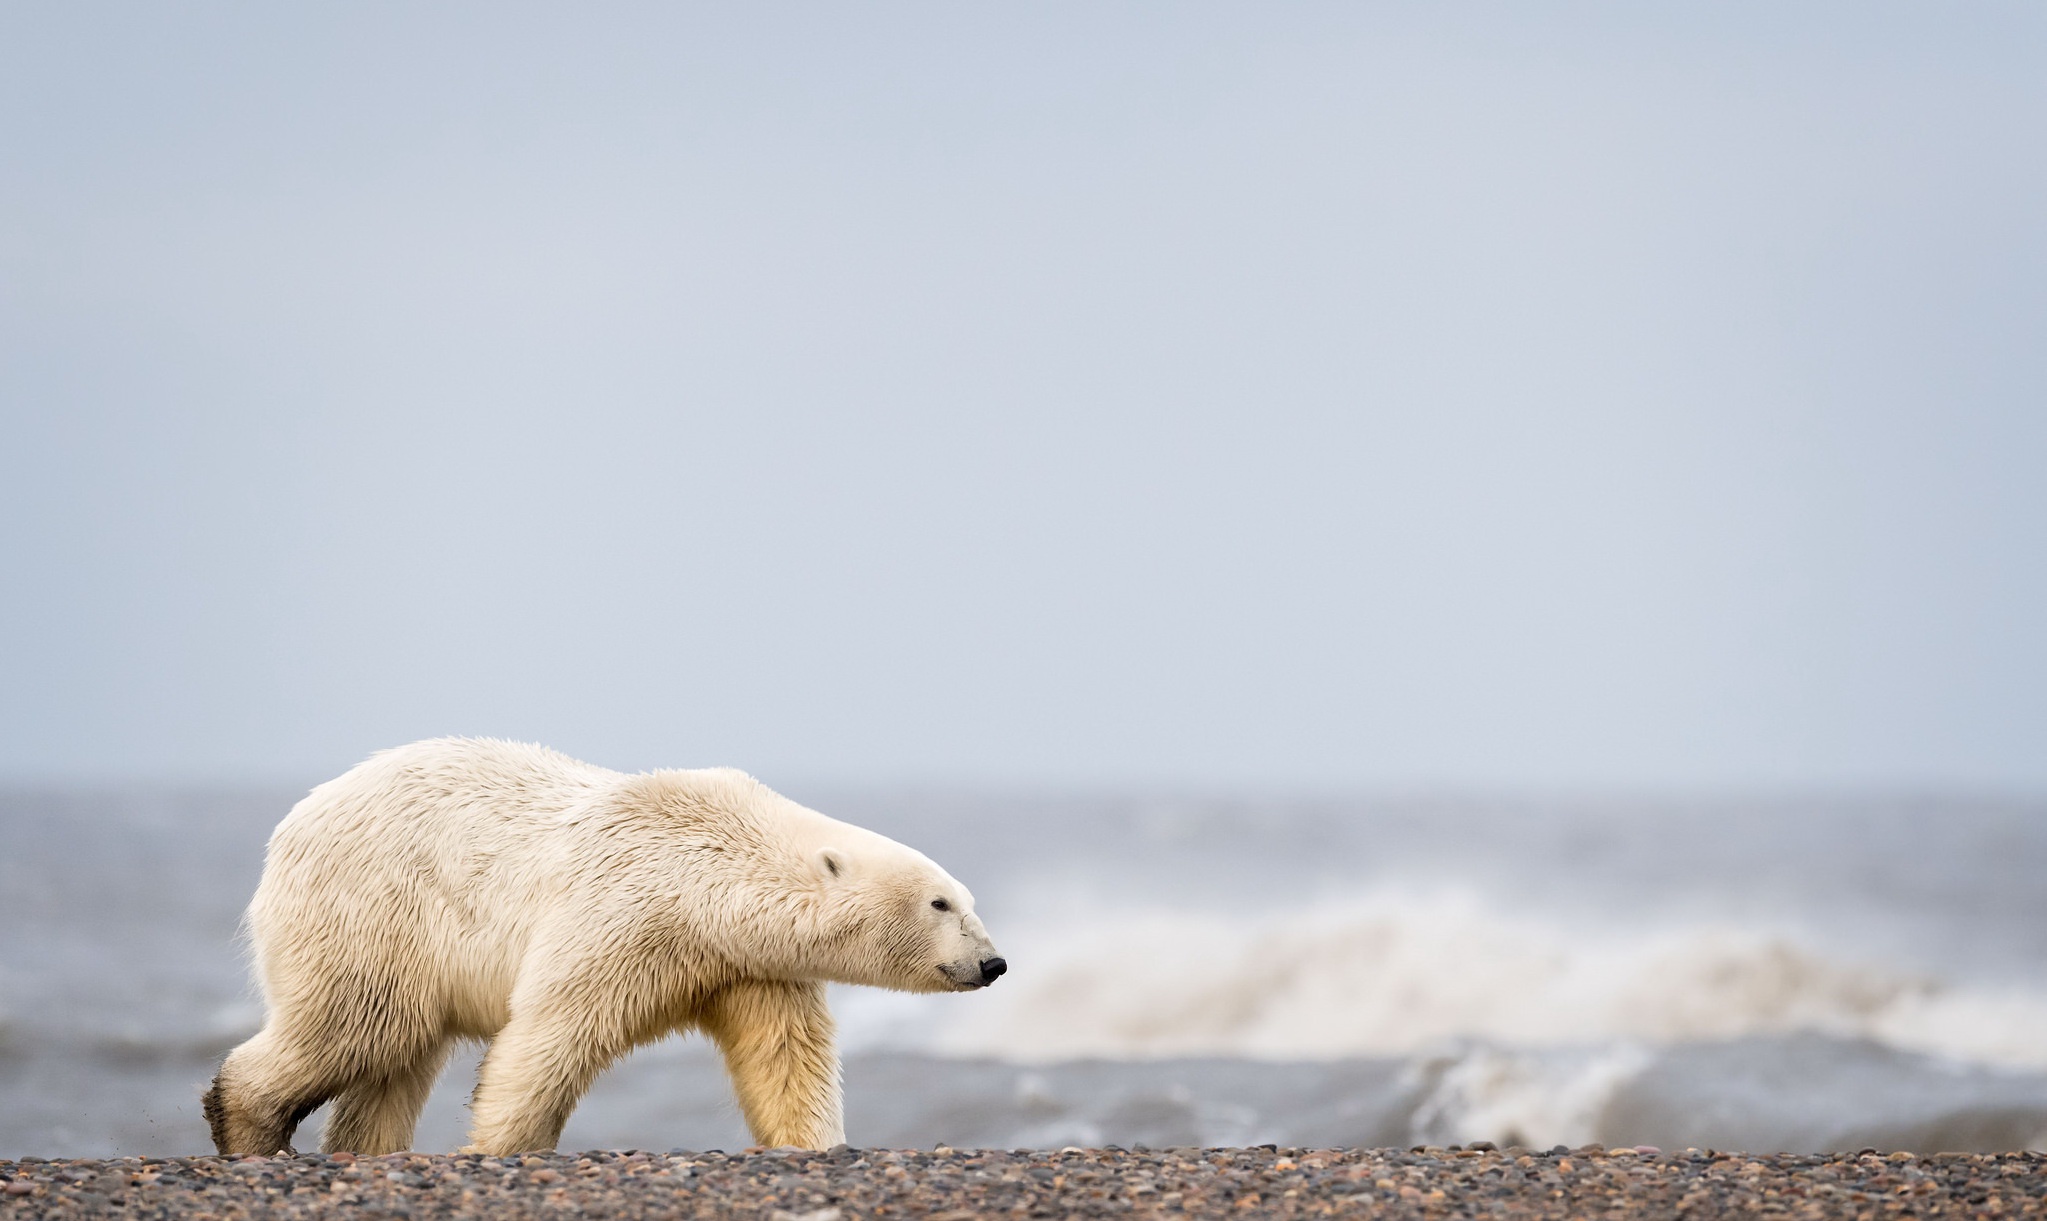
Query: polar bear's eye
941,905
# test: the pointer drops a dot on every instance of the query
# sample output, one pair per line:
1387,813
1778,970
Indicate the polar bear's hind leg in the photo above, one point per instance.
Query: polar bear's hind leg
346,1035
377,1115
262,1093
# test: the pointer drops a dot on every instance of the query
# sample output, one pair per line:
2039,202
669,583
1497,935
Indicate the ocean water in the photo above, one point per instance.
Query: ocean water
1762,975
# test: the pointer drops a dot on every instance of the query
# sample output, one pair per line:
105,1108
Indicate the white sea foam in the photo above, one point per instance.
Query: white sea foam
1519,1097
1407,974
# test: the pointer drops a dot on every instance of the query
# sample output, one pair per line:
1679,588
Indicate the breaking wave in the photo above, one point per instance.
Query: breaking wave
1405,974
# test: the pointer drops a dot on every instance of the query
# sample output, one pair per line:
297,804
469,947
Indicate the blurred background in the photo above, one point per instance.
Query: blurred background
1444,573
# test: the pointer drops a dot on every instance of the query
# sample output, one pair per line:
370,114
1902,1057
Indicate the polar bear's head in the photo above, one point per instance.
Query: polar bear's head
891,918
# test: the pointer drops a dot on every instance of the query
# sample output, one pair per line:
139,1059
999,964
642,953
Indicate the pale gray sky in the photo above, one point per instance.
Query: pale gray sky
1315,396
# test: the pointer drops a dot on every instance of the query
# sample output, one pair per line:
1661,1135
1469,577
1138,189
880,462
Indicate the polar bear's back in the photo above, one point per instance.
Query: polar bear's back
445,797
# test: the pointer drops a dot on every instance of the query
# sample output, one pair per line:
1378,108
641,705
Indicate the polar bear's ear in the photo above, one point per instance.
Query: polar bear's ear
831,864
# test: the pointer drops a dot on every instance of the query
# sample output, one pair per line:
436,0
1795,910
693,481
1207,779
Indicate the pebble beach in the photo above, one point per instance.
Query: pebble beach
847,1184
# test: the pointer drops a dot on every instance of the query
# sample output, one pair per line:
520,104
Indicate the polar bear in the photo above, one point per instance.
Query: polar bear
469,888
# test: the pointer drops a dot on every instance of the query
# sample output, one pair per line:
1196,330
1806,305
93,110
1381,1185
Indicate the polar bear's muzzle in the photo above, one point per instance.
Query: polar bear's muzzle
974,975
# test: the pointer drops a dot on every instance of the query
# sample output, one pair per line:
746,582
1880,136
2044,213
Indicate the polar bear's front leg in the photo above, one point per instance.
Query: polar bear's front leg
535,1072
778,1045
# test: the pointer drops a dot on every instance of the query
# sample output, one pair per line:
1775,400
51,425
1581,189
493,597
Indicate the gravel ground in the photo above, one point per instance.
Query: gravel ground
845,1184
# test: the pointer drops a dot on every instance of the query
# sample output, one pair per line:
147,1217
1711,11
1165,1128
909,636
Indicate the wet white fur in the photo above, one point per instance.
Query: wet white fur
462,888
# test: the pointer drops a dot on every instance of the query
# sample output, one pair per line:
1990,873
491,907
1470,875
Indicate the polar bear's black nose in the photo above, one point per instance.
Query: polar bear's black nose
991,968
